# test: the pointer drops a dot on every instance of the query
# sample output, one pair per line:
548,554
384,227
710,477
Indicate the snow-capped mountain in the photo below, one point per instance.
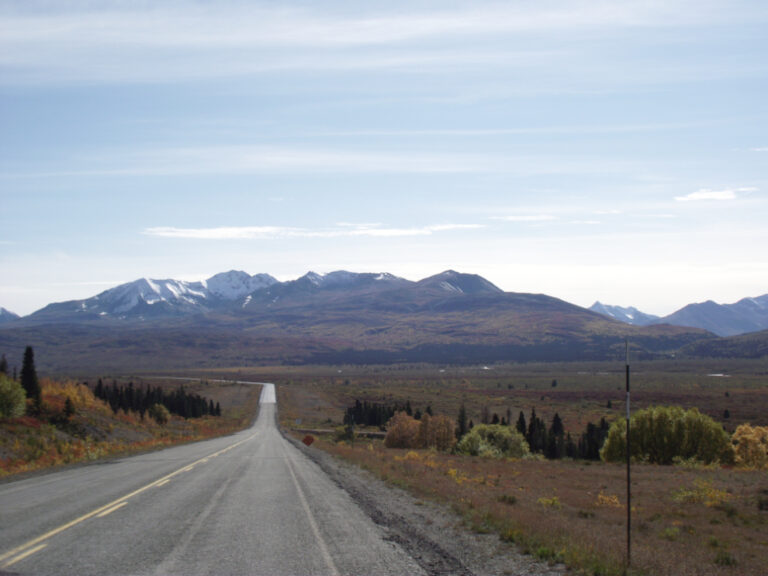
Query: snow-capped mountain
236,284
451,281
7,316
746,315
235,292
313,285
149,298
629,315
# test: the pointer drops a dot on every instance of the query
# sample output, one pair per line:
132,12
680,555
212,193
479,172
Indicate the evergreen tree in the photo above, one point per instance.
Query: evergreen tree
29,379
461,423
537,433
571,450
556,439
3,365
521,426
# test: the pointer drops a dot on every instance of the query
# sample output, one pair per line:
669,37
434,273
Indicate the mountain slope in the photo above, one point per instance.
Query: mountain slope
149,299
744,346
7,316
746,315
630,315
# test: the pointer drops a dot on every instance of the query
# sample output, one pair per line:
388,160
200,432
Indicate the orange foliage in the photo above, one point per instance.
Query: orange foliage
402,431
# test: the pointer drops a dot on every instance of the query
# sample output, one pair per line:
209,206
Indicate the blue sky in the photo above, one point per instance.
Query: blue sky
585,149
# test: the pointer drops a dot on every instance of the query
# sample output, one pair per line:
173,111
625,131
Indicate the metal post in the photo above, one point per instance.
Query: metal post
629,489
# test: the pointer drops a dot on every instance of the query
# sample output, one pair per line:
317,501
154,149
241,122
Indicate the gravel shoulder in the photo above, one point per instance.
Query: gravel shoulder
431,533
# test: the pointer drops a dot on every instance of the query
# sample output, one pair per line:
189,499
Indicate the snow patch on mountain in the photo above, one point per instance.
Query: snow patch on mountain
235,284
448,287
628,315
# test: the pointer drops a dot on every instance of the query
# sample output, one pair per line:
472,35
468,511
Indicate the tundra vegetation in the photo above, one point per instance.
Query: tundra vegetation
700,482
44,422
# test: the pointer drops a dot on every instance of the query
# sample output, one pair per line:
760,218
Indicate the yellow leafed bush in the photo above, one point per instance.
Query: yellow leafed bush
402,432
750,444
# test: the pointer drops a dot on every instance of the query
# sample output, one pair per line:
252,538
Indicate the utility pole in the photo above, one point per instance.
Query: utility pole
629,489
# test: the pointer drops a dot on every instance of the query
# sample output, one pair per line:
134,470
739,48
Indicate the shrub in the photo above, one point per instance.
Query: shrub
494,441
724,558
437,432
661,434
750,445
402,432
13,399
159,414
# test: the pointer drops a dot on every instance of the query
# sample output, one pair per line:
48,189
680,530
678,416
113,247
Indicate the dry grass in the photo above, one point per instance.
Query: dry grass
686,521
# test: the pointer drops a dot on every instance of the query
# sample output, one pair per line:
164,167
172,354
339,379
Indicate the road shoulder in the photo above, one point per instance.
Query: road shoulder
430,533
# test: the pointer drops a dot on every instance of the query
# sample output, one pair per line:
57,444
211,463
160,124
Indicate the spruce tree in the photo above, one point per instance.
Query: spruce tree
521,426
29,380
461,424
3,365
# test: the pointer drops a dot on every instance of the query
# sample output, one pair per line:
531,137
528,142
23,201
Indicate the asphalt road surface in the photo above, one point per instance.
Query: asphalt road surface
250,503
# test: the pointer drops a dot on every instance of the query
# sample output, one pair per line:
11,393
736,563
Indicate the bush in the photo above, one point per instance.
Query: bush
750,445
437,432
13,399
402,431
661,434
493,441
159,414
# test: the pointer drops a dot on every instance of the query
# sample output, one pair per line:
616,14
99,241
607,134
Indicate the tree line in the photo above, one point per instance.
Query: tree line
141,399
374,414
552,441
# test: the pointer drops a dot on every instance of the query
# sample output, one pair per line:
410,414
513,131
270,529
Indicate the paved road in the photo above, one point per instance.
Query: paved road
245,504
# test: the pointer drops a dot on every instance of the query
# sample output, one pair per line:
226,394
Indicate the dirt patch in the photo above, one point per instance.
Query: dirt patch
432,534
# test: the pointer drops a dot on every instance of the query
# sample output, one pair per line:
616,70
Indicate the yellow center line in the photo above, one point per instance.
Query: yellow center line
110,510
21,557
106,508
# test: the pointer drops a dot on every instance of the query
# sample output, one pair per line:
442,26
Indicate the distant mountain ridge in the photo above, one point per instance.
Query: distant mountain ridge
630,315
235,319
746,315
147,299
7,316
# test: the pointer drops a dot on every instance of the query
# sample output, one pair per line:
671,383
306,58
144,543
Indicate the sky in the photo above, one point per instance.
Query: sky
588,150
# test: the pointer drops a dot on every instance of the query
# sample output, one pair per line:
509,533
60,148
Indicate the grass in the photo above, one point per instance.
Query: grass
567,512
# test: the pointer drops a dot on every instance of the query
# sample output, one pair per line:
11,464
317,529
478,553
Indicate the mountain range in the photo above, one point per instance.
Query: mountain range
7,316
746,315
235,319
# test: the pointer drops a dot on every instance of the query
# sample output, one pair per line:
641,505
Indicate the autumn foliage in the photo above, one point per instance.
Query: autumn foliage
750,445
402,431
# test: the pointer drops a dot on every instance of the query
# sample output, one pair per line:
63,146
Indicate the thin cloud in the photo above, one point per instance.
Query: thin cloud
706,194
281,232
93,42
527,218
244,159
